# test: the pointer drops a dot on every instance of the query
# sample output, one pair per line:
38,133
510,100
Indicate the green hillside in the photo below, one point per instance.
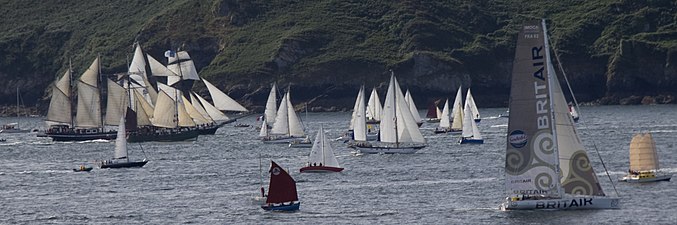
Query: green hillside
611,50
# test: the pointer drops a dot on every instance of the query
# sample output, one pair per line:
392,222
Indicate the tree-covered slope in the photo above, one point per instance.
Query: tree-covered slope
610,49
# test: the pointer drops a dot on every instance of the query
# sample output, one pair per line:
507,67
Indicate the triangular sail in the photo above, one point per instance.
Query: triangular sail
643,156
282,187
116,103
89,103
412,107
198,106
360,126
271,106
470,102
444,118
223,101
355,108
407,127
458,103
531,159
60,102
194,113
388,131
295,126
165,113
263,132
121,141
457,112
144,111
470,129
281,125
185,119
438,112
374,106
158,69
213,112
322,152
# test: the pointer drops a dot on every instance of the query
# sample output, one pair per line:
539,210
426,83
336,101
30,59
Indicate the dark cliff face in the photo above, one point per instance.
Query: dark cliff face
613,52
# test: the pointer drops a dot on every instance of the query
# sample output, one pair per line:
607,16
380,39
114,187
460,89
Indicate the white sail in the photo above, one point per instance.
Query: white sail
198,106
388,131
444,118
223,101
322,152
170,91
360,126
470,102
165,113
158,69
374,107
60,102
271,107
185,119
457,112
438,112
88,114
194,113
121,141
213,112
470,129
116,104
281,125
144,111
353,116
182,65
412,107
263,132
407,126
295,126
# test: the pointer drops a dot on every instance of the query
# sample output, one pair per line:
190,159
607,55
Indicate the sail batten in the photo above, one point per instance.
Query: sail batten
643,155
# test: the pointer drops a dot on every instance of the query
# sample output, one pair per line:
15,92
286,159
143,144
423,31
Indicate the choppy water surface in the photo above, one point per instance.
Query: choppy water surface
211,181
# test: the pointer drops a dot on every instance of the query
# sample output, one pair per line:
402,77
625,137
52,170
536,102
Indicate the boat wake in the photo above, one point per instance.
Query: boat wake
499,125
94,141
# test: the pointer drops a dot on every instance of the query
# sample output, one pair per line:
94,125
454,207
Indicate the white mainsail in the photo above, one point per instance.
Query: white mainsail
360,125
322,153
60,102
89,102
116,105
271,106
397,122
457,112
412,107
470,102
121,141
470,130
353,117
444,117
223,101
643,155
374,107
281,125
181,64
295,126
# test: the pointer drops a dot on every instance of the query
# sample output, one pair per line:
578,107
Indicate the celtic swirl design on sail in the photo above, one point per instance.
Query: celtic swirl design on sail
544,180
516,161
544,147
581,179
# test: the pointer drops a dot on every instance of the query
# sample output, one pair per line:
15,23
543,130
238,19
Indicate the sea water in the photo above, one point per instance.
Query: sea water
212,180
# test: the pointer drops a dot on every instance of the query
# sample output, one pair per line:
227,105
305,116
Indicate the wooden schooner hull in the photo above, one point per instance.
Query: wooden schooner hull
567,203
185,135
82,136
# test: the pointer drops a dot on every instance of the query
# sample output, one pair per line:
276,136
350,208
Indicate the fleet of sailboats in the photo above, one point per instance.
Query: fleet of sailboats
543,151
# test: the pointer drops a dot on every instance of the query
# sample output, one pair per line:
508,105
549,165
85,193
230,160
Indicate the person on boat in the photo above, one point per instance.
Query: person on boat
320,164
263,192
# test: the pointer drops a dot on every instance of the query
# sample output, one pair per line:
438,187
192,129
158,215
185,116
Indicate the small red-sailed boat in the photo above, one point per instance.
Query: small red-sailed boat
282,194
321,157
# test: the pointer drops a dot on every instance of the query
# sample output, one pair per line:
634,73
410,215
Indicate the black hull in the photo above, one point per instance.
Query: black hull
163,137
124,165
207,130
82,137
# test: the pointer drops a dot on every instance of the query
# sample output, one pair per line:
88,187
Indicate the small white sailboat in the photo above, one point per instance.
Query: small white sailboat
14,127
644,161
120,159
322,158
445,122
471,134
287,126
271,107
457,113
399,132
470,102
546,164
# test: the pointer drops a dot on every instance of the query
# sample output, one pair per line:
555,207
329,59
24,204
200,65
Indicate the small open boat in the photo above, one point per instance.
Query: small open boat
644,161
83,169
282,194
322,157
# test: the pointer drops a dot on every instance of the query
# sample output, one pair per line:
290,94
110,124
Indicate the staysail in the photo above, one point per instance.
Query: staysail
221,100
643,156
282,187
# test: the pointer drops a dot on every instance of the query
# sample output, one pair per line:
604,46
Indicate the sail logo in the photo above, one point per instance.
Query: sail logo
517,139
276,171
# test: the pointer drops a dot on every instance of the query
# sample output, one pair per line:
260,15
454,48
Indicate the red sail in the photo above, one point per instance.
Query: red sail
282,186
432,110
